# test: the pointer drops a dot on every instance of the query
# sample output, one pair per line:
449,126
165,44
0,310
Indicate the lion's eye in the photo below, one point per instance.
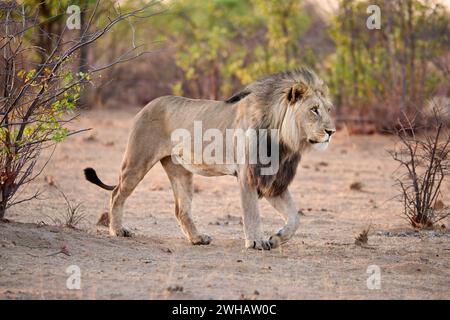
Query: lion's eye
315,110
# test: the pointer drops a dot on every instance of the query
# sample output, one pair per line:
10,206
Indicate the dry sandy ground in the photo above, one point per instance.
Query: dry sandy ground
321,261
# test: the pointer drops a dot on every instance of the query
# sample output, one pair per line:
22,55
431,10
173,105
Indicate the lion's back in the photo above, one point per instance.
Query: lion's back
178,111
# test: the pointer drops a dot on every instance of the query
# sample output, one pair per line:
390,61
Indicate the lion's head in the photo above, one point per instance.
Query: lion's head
310,106
297,103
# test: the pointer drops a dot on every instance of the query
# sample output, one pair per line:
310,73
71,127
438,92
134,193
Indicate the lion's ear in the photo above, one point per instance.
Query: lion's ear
296,92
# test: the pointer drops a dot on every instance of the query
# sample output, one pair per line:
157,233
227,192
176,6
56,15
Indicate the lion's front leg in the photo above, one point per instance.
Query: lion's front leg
284,205
254,237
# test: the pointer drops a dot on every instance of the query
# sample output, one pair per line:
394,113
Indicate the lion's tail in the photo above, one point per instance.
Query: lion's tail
92,177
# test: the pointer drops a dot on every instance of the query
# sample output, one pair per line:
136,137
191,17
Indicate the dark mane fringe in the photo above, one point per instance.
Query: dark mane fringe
274,185
238,96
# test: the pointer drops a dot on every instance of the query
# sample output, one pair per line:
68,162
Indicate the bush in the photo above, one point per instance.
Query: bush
39,87
424,162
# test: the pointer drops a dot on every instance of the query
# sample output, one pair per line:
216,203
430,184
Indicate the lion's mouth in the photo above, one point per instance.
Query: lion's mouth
315,141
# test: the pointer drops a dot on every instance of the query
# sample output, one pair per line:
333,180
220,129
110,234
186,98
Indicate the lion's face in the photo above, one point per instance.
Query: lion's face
316,121
312,112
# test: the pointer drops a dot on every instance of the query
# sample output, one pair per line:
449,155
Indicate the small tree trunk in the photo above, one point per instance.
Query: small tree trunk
2,205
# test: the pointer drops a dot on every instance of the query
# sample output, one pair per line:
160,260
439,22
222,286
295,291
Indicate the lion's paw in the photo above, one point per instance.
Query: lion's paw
257,244
122,232
201,239
275,241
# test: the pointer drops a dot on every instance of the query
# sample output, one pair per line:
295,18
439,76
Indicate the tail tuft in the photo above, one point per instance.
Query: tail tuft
92,177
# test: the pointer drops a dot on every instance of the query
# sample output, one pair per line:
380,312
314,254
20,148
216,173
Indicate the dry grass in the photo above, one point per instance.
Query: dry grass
73,214
363,237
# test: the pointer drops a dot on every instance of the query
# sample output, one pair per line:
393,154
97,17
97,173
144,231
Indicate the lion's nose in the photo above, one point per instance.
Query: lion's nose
330,132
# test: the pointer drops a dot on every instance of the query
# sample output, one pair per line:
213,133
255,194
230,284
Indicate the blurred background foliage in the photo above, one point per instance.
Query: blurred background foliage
209,49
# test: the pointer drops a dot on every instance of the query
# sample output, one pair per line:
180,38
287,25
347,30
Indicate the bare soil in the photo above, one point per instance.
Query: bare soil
322,261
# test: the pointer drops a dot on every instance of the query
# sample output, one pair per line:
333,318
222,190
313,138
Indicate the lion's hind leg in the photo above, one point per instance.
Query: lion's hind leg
181,181
128,181
134,168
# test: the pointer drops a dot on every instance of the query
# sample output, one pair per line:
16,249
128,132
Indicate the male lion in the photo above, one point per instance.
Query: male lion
295,103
